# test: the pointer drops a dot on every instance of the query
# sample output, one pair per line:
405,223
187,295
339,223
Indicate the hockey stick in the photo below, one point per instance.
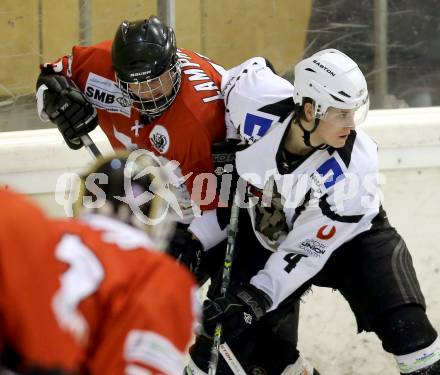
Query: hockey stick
90,146
232,232
231,359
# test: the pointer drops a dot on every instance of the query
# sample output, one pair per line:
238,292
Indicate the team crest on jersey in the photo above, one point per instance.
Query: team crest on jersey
160,139
104,94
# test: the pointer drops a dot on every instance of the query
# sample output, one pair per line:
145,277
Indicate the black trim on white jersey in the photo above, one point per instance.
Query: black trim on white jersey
326,210
229,93
283,166
282,109
346,151
269,65
302,206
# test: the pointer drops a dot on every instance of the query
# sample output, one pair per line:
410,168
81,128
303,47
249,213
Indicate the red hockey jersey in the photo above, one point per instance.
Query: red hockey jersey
184,132
89,296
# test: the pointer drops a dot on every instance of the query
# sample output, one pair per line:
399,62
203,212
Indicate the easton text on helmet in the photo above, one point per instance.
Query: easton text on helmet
324,67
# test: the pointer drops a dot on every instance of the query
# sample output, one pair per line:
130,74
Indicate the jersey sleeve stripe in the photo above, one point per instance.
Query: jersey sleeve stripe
154,350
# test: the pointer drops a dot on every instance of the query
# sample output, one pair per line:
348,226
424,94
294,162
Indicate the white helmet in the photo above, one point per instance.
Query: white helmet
331,79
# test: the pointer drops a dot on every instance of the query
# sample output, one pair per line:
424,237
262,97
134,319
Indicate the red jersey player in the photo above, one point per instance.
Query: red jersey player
144,93
90,295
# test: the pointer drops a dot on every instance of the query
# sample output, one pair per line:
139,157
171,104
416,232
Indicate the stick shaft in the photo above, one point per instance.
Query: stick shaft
91,146
232,232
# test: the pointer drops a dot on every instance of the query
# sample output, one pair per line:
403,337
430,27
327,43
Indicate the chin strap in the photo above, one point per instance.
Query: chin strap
307,134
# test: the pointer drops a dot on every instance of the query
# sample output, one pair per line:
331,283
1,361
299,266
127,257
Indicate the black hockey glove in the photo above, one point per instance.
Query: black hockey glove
237,310
187,250
68,108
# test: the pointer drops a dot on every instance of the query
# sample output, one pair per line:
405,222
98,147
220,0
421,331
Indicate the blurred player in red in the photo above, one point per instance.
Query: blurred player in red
91,295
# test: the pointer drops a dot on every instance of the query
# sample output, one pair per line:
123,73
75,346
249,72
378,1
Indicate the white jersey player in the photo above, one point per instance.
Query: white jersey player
329,191
315,214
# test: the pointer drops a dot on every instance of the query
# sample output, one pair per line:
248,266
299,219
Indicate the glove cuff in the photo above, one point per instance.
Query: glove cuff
74,144
39,96
257,300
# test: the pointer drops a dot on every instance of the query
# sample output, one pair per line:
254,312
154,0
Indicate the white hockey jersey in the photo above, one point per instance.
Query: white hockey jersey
250,111
302,214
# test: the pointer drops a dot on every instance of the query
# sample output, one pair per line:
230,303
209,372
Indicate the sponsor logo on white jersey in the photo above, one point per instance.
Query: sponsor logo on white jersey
160,139
313,247
105,94
325,233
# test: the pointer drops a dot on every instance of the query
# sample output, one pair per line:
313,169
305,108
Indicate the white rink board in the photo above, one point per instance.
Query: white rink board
409,141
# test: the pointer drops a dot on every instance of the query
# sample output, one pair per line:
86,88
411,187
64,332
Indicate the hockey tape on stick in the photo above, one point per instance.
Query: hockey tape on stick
231,359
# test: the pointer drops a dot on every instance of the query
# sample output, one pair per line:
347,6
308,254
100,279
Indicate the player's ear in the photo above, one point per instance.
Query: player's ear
309,111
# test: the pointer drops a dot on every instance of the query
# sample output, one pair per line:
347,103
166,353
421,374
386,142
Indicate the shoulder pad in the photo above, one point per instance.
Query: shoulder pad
255,98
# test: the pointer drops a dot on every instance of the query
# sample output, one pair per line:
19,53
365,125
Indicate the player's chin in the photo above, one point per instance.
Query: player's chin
339,141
